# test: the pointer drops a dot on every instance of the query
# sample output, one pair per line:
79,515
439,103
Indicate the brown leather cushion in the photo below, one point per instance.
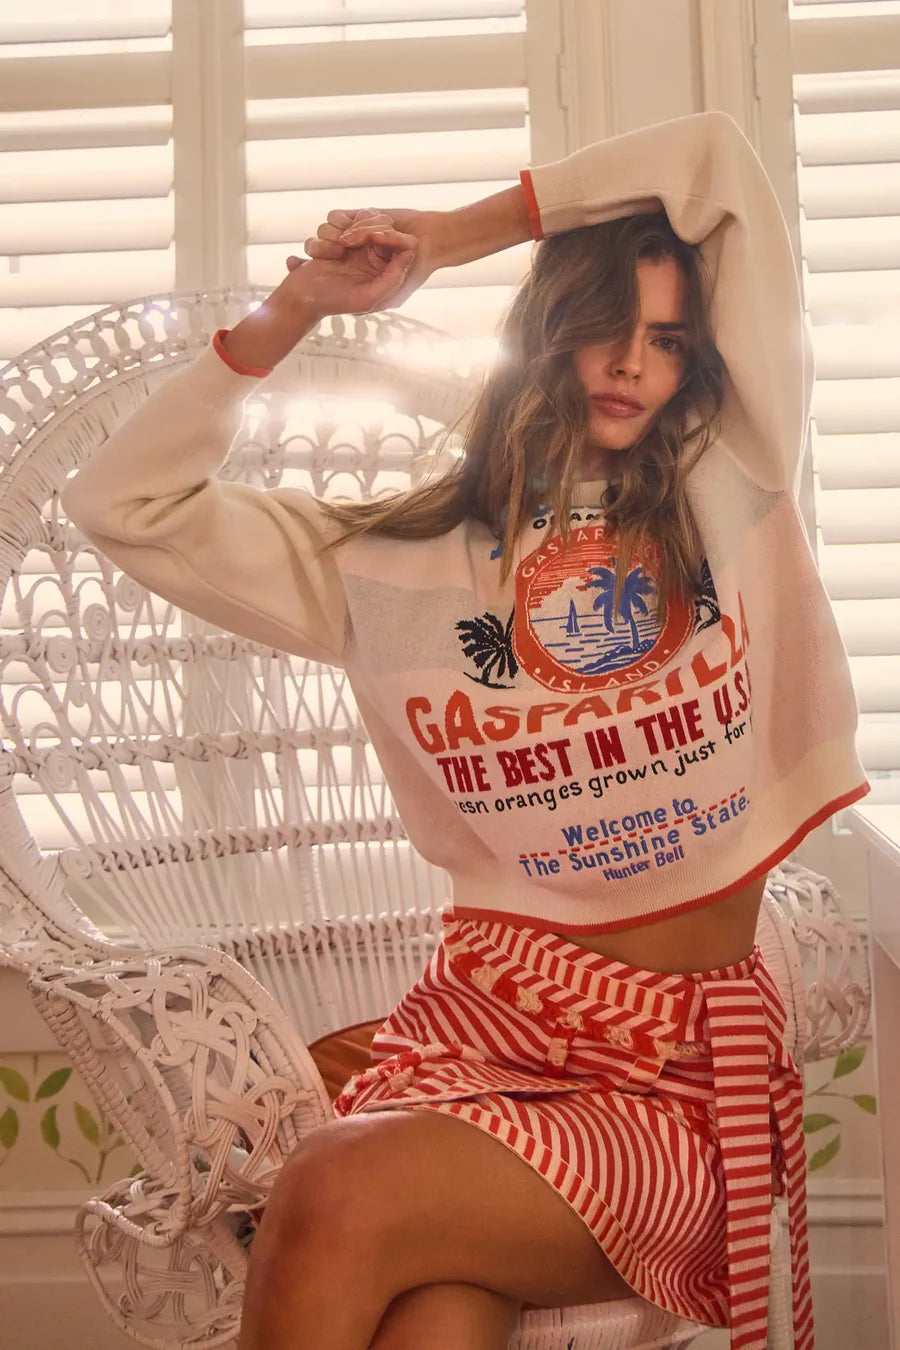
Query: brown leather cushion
343,1053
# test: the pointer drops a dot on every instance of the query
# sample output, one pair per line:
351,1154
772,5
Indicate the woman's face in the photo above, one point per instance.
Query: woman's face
648,367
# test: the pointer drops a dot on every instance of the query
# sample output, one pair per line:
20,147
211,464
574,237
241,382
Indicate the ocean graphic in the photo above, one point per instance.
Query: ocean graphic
575,622
564,632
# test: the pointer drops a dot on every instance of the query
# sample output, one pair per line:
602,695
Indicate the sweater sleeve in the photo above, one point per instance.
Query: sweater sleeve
243,558
705,174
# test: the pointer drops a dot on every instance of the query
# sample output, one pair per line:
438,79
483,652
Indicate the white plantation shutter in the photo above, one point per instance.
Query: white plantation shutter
846,76
86,161
152,145
420,103
147,145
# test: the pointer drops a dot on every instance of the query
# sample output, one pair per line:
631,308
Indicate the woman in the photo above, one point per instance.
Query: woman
605,685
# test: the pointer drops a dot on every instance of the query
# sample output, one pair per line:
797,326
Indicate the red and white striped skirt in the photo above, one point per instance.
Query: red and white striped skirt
664,1108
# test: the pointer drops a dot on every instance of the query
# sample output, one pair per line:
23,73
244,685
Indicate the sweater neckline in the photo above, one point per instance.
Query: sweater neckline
589,491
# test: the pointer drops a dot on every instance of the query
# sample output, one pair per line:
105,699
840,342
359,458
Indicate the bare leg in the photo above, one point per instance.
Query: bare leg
308,1294
446,1317
371,1207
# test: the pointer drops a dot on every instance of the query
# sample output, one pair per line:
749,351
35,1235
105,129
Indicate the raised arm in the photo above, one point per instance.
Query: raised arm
704,173
245,559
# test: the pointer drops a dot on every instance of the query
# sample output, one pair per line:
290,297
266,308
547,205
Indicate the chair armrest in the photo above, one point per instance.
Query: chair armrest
819,959
198,1068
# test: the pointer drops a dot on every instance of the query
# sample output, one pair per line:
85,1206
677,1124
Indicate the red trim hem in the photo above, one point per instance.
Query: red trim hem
779,854
531,204
259,371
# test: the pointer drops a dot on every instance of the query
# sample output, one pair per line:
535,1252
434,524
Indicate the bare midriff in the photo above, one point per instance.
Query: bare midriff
720,934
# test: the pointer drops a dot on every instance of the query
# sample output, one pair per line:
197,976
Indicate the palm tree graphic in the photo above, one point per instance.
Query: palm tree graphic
489,644
706,602
637,585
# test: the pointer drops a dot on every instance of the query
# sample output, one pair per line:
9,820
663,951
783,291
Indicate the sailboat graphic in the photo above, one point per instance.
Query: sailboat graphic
573,628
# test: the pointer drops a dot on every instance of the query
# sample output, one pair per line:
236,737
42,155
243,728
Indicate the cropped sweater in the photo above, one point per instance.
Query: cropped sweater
574,769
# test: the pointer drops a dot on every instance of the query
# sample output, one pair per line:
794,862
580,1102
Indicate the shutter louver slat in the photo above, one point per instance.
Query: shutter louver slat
90,129
857,351
93,279
850,138
320,16
878,741
856,405
876,680
852,244
865,515
833,191
278,167
868,627
465,110
45,83
849,91
853,297
128,225
88,176
62,27
387,66
859,461
860,571
822,45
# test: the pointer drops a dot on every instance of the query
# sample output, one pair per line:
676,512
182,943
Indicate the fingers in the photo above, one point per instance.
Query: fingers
354,229
343,219
359,235
339,221
324,248
400,264
328,243
391,279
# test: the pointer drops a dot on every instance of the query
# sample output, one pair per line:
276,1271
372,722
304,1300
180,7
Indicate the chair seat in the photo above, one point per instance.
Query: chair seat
343,1053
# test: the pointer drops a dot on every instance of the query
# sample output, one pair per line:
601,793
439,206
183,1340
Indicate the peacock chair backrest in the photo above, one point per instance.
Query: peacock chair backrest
162,782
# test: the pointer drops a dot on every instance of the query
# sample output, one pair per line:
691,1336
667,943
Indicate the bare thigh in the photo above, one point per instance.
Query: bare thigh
446,1317
419,1198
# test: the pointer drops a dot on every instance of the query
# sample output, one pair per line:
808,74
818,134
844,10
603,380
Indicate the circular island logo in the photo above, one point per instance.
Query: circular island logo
566,635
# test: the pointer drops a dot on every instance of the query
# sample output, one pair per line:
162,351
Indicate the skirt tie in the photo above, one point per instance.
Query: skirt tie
753,1093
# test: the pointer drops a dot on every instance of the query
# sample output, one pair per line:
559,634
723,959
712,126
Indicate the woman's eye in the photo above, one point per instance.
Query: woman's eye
677,345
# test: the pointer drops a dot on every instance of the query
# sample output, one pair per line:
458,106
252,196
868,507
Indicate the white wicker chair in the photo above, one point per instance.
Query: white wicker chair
201,869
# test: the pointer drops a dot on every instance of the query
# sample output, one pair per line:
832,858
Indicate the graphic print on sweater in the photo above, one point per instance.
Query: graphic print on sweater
582,644
566,635
650,721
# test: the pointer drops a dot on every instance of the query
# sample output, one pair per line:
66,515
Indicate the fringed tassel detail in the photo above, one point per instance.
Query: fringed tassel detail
490,980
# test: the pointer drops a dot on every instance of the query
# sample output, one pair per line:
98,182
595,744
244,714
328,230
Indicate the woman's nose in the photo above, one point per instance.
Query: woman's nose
627,357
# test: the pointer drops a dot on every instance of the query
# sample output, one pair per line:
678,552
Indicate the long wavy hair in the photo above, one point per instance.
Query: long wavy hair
528,428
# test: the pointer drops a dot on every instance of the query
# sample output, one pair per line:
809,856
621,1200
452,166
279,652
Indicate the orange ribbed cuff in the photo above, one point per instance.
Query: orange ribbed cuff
217,343
534,213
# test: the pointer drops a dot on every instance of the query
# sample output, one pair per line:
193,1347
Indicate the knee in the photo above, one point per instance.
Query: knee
326,1193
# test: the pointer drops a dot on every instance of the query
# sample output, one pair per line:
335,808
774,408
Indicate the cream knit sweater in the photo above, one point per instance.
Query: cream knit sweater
573,770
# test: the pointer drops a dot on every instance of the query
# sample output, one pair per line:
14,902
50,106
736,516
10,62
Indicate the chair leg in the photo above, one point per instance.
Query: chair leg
780,1309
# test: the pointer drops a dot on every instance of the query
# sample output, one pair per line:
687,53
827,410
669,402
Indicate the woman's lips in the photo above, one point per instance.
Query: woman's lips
613,408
